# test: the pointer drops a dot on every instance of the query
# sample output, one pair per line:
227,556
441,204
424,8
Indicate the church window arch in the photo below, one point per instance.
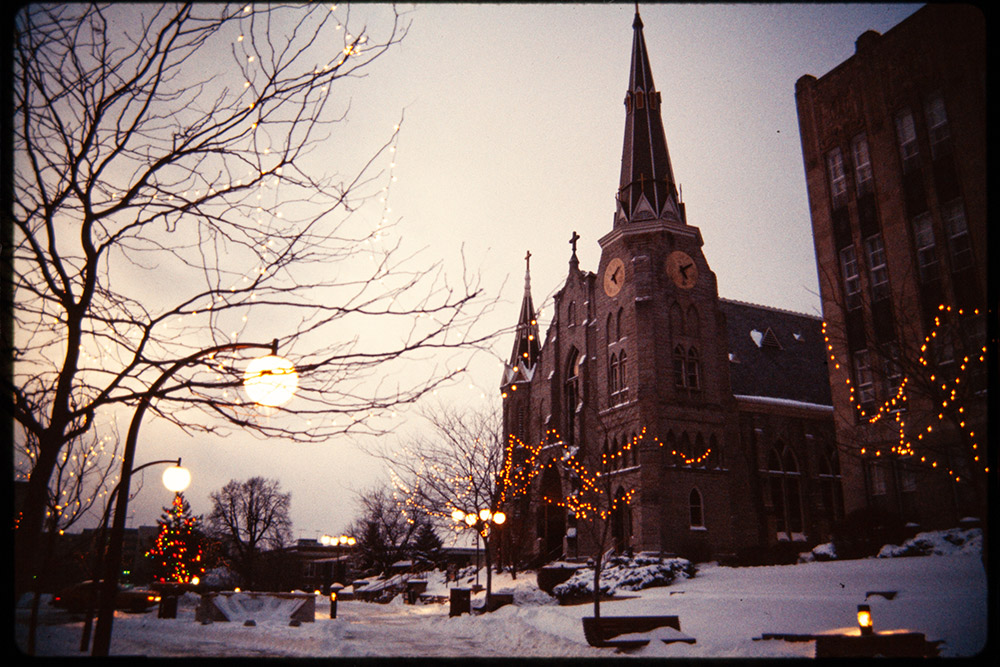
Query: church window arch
571,314
676,319
571,394
700,450
691,322
696,509
679,366
693,369
785,488
715,458
621,521
670,446
619,334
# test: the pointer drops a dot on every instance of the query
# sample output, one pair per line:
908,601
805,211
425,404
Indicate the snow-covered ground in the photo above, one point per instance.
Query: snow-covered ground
724,608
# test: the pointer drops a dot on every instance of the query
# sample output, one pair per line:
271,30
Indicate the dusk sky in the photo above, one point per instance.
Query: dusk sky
511,140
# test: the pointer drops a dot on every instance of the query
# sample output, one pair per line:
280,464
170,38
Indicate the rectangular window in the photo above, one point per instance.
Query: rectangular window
937,124
838,178
862,166
878,273
923,240
852,278
893,373
906,135
878,479
957,229
908,480
863,377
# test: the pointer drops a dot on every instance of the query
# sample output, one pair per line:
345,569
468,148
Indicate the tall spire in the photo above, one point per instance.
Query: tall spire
647,189
524,356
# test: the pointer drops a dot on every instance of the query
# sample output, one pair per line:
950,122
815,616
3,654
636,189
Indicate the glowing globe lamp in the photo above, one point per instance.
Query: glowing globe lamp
176,478
499,518
270,381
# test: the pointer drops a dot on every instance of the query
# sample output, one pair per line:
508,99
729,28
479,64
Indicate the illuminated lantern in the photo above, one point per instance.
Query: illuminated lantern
176,478
865,619
499,518
271,380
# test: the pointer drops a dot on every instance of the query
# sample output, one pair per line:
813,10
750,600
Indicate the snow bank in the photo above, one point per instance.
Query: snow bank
938,543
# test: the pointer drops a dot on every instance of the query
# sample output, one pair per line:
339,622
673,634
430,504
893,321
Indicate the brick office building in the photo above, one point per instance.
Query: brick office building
894,145
729,402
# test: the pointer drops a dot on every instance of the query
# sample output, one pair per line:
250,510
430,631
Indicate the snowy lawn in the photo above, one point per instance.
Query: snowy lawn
942,596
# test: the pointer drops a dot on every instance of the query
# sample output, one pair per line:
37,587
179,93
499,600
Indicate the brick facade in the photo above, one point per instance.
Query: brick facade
644,350
894,146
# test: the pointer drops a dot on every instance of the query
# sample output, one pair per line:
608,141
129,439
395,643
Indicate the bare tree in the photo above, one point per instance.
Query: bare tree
596,500
174,206
462,463
384,534
249,517
915,376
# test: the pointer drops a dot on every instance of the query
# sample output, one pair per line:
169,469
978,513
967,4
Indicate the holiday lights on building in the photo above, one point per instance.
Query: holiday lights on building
948,402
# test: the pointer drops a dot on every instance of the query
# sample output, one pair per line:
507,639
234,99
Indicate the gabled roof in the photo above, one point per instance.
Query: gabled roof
776,353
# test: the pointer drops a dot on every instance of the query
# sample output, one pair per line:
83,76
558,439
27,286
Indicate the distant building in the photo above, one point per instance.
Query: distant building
728,401
894,145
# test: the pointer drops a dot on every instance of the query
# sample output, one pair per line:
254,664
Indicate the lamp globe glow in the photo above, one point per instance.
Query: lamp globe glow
458,516
176,478
484,515
271,380
470,519
499,518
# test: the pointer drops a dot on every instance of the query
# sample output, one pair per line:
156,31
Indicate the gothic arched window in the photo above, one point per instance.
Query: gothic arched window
693,370
785,485
571,394
696,509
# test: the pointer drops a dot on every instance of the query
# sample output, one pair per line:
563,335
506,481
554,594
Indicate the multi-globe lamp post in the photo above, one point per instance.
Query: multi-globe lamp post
336,541
270,381
481,520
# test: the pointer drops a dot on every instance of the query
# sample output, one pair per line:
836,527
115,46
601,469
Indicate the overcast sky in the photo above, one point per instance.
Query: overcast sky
511,141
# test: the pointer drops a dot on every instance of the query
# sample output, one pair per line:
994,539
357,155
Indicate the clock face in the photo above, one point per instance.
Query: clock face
614,277
682,269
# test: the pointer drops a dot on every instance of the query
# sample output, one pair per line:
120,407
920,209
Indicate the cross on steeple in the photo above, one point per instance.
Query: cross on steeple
573,239
527,261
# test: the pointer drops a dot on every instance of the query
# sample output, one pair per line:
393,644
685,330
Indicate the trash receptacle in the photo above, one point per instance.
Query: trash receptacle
168,606
461,599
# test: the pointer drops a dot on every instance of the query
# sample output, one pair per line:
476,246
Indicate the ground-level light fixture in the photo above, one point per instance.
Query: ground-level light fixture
865,619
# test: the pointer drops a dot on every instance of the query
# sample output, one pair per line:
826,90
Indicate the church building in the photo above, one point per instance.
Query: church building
712,417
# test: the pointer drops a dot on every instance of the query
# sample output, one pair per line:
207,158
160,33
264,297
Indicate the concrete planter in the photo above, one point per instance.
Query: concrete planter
603,631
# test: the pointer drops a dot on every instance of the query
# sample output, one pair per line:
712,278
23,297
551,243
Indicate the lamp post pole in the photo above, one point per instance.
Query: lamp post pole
112,566
100,547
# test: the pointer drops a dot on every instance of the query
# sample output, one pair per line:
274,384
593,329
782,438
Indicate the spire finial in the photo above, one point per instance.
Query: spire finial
527,261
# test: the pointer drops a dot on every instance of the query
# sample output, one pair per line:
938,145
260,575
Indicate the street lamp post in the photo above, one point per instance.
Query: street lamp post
340,542
270,386
176,479
481,520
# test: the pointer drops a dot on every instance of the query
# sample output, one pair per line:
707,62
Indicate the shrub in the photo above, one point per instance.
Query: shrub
625,573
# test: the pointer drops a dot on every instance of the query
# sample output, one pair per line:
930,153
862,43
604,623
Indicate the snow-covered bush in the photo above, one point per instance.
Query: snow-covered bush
820,552
624,573
937,543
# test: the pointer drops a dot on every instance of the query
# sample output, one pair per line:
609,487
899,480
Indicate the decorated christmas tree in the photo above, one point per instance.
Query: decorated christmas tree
178,555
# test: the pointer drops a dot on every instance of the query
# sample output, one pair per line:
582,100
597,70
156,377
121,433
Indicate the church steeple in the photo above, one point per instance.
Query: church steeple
647,190
524,356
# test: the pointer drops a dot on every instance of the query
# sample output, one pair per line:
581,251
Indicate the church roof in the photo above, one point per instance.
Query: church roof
776,354
647,189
